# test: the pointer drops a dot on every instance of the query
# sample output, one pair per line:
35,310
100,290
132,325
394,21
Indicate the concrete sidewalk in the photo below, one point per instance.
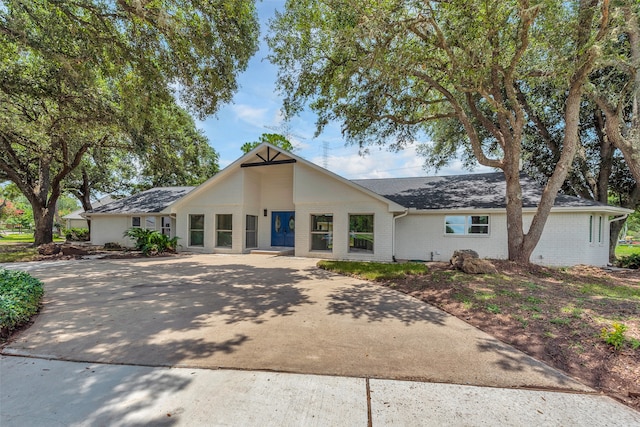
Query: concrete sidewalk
37,392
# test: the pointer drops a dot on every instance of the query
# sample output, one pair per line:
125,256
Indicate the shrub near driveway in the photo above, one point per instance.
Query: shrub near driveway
20,296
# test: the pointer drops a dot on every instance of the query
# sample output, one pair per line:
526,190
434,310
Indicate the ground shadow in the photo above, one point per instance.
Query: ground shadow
376,303
512,360
154,312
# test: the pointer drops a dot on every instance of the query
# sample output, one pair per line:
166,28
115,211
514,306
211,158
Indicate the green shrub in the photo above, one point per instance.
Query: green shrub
151,242
76,234
629,261
616,337
20,296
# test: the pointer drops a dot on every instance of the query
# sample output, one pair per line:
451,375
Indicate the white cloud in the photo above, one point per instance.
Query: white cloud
251,115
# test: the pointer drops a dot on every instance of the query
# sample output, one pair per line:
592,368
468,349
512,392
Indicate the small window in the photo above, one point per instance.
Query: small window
590,228
322,232
252,232
361,233
471,224
196,230
135,221
600,234
224,225
150,222
165,225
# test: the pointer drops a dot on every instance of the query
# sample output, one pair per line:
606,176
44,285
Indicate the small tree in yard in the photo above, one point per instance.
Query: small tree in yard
152,242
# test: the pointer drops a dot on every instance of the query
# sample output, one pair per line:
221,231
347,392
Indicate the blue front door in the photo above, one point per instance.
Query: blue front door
283,226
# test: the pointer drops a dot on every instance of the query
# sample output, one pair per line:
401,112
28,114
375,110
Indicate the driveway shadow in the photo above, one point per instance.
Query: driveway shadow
156,313
377,303
511,361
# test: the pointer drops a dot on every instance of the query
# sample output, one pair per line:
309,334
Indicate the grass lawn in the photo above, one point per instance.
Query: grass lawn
374,271
570,318
16,247
626,250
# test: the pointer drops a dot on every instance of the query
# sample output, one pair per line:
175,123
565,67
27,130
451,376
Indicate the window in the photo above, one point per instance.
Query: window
600,229
590,228
135,221
150,222
361,233
196,230
322,232
165,225
471,224
252,232
224,224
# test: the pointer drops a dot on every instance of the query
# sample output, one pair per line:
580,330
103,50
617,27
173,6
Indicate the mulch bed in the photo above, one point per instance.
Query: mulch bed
550,314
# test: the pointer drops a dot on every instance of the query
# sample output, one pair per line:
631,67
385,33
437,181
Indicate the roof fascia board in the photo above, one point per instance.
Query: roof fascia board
581,209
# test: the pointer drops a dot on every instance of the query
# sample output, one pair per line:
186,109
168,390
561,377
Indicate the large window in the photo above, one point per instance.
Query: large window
224,226
322,232
470,224
196,230
361,233
252,231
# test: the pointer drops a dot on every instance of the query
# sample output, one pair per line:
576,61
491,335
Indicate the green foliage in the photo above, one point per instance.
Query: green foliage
151,242
374,270
89,76
76,234
20,296
629,261
622,292
494,308
392,72
272,138
615,337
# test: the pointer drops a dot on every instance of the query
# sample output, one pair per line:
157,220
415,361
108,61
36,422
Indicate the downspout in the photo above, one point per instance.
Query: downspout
393,234
621,217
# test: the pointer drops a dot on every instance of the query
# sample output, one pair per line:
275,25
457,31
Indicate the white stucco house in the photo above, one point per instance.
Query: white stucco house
270,199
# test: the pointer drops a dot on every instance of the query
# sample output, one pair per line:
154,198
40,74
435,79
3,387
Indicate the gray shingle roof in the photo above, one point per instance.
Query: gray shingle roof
474,191
150,201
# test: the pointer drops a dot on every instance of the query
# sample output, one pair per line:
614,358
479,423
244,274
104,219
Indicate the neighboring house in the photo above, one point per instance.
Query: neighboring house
75,218
270,199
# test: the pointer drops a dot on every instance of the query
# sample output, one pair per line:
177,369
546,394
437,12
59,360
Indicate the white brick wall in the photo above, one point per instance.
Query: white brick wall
565,240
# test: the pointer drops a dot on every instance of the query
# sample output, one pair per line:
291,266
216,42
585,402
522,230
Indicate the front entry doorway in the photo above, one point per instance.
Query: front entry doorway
283,225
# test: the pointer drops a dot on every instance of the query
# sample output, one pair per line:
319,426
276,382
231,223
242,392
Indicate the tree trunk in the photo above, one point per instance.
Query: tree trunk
43,218
614,233
85,197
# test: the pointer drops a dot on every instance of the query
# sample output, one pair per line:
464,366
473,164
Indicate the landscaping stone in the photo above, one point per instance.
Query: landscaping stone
49,249
478,266
458,257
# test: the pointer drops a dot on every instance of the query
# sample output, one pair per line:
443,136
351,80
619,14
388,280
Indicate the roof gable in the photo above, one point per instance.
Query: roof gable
267,154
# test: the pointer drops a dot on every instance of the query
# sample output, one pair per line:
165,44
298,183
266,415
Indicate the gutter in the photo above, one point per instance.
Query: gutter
619,218
393,234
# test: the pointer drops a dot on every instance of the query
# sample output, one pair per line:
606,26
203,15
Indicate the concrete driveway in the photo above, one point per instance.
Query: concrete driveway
262,313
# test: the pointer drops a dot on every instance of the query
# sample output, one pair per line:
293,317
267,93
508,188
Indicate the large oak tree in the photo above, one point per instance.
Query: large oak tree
390,69
88,74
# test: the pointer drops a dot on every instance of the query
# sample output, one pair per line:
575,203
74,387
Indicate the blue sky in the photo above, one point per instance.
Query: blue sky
256,110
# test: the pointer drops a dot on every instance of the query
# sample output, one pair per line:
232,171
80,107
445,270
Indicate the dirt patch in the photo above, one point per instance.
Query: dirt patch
554,315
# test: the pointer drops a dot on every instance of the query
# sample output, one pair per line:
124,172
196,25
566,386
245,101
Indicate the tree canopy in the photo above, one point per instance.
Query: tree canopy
272,138
390,71
92,75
